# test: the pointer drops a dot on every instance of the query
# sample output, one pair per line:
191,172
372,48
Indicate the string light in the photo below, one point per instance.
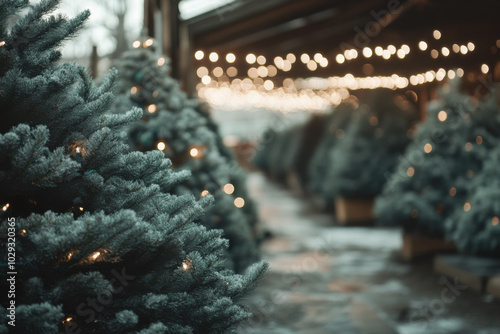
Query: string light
5,207
453,191
442,115
318,57
271,70
468,146
198,55
312,65
152,108
445,51
340,58
367,52
232,71
252,72
323,62
78,155
422,45
230,58
494,221
136,44
467,206
455,48
250,58
434,53
148,42
96,255
187,264
291,58
485,68
228,188
391,49
218,72
410,171
436,34
23,232
194,152
305,58
239,202
471,46
2,43
479,140
206,80
287,66
213,57
463,49
279,62
161,61
204,193
81,209
262,71
161,146
134,90
261,60
202,71
428,148
268,85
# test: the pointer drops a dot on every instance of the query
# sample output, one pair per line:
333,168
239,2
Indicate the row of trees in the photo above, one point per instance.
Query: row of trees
108,239
438,177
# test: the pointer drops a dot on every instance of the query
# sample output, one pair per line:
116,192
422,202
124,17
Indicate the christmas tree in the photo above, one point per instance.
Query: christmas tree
180,128
374,139
102,246
320,161
311,134
477,230
282,152
262,155
432,178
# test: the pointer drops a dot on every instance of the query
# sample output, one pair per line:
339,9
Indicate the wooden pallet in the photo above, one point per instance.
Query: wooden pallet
418,245
479,273
351,211
493,287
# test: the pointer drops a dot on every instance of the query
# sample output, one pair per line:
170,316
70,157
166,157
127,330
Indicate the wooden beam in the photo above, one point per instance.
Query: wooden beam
269,18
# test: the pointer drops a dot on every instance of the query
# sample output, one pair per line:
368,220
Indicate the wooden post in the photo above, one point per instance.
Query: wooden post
94,63
187,75
170,39
150,8
166,11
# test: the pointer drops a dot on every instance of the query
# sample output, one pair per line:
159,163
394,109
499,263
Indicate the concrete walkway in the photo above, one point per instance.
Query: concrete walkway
330,279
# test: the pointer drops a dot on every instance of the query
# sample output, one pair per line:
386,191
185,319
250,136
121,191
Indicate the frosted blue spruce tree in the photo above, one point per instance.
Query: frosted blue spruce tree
102,246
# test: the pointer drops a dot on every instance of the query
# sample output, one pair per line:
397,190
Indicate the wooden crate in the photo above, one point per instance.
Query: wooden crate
418,245
493,287
473,271
351,211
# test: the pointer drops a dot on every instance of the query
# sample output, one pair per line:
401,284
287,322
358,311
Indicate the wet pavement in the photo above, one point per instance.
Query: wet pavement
326,278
